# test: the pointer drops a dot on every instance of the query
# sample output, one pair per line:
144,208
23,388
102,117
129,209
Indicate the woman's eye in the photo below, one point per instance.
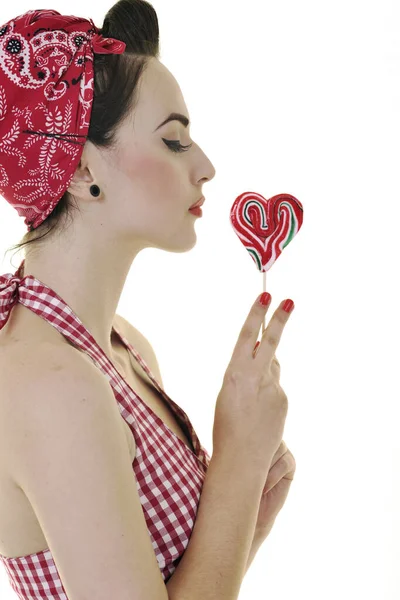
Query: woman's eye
176,146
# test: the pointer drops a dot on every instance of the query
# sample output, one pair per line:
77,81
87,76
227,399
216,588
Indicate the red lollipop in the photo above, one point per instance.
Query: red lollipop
266,227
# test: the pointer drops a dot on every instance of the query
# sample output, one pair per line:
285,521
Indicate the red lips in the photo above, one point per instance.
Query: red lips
198,203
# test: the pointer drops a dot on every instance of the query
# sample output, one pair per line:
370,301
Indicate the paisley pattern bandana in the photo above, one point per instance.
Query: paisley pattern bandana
46,97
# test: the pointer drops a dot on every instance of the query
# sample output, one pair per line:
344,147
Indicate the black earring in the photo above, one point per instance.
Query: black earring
95,190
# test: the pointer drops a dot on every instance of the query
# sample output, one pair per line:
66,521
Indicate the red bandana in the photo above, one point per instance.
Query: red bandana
46,97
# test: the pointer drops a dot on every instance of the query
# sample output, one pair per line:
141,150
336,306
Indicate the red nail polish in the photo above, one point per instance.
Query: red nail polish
288,306
265,298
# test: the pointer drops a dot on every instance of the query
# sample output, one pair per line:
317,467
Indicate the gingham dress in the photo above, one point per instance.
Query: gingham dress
169,475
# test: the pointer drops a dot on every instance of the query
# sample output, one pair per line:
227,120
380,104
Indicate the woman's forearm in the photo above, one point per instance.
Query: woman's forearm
214,563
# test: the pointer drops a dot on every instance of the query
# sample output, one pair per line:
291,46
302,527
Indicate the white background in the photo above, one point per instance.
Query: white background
302,98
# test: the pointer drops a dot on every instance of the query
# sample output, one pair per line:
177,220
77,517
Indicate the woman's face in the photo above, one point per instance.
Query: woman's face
148,188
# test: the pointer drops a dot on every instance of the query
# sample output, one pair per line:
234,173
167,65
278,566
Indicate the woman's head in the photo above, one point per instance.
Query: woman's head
146,187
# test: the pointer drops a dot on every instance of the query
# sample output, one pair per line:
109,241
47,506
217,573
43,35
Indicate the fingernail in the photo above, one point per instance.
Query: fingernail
265,298
288,306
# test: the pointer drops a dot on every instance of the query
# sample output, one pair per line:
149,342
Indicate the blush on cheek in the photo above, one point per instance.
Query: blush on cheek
158,181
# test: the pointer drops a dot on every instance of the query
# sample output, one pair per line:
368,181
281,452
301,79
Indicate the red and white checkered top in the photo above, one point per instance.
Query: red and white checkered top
169,475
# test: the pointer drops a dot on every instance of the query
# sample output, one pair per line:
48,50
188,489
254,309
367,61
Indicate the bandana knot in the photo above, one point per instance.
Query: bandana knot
9,294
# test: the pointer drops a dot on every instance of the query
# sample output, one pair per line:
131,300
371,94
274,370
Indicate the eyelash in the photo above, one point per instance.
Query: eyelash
175,145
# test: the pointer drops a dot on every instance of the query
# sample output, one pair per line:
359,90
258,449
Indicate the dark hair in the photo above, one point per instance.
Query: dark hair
116,81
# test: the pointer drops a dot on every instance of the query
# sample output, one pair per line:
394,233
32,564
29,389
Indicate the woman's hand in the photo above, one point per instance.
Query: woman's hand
275,491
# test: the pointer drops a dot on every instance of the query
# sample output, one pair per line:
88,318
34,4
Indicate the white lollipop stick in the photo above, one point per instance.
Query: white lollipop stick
264,290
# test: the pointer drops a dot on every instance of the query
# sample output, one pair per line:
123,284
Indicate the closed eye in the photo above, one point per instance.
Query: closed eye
176,146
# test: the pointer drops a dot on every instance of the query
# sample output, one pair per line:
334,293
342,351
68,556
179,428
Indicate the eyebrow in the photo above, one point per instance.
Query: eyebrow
175,117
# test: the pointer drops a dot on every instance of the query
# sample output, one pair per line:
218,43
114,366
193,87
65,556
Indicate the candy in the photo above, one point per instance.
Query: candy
266,227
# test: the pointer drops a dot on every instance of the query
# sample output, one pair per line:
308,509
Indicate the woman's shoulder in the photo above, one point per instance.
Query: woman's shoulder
27,365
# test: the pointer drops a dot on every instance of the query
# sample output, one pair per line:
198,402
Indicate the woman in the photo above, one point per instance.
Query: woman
73,520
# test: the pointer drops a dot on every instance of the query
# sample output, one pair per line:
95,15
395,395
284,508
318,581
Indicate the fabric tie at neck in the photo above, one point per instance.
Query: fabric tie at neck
10,285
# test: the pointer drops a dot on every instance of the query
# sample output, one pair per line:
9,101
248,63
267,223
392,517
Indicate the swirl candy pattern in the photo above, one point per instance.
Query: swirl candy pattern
266,227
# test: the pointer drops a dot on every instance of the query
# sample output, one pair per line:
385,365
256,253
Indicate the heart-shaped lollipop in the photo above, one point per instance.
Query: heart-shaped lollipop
266,227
